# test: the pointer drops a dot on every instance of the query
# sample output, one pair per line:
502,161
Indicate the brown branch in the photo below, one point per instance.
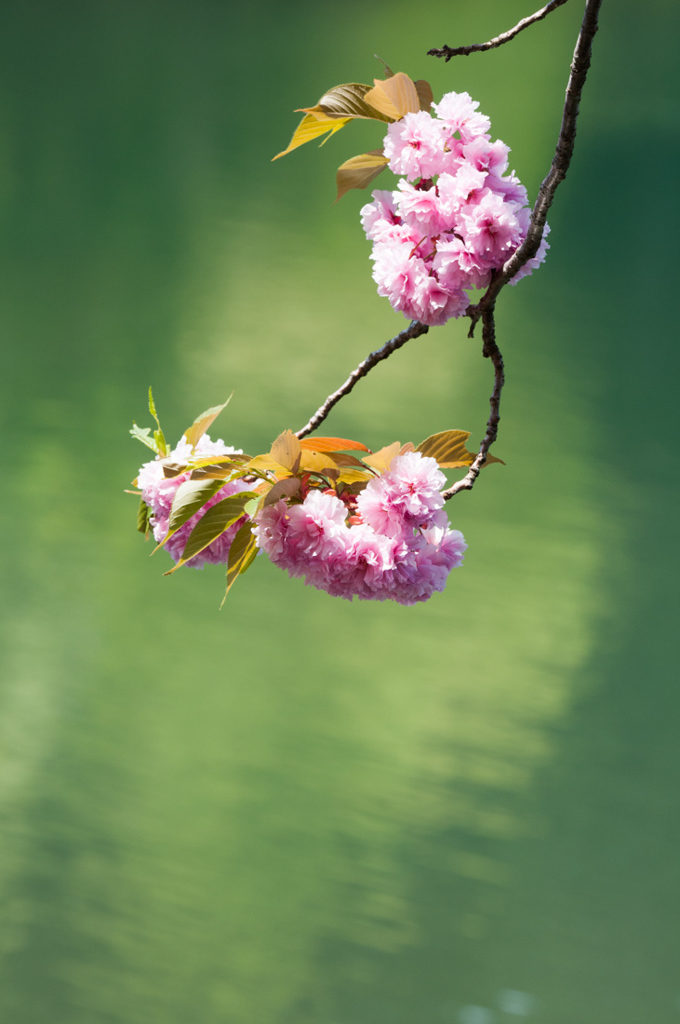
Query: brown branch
448,52
559,167
414,330
490,351
484,310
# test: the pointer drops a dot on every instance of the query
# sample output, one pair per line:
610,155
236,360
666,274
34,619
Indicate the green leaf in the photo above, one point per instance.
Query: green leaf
286,451
388,70
159,436
190,497
143,517
312,127
143,435
347,101
360,171
241,554
252,507
204,421
425,94
152,408
213,524
394,97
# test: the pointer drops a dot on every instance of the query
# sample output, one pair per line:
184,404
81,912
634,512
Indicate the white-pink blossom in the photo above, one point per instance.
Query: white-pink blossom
158,491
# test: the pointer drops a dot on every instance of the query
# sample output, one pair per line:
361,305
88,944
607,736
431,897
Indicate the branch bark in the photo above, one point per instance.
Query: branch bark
448,52
490,351
485,308
414,330
559,167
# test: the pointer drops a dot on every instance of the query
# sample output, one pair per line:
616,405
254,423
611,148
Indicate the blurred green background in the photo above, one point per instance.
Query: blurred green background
299,810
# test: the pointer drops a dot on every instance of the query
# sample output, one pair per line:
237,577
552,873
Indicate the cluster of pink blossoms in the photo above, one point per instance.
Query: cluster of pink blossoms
158,491
455,216
397,546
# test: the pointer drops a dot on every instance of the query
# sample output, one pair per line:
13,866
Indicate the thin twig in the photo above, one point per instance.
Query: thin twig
448,52
414,330
490,351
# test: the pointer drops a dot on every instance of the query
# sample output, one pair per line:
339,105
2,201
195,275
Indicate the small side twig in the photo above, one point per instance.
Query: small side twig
447,52
414,330
490,351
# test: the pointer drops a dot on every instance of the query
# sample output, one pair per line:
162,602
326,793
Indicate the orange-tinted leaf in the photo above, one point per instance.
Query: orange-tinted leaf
425,94
342,460
286,450
283,489
171,469
354,476
312,127
360,171
394,97
449,449
346,101
408,447
203,422
218,471
266,464
382,459
220,461
332,444
315,462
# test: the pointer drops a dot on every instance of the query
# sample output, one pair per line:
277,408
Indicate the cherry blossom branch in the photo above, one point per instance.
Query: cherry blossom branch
559,167
490,351
463,51
414,330
484,310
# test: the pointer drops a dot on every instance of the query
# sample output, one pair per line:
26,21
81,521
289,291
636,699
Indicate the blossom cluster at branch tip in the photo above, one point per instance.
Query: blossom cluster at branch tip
392,541
455,217
158,491
386,537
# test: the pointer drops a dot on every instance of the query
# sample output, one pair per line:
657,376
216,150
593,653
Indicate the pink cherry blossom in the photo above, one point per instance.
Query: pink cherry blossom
414,146
402,549
455,217
458,111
